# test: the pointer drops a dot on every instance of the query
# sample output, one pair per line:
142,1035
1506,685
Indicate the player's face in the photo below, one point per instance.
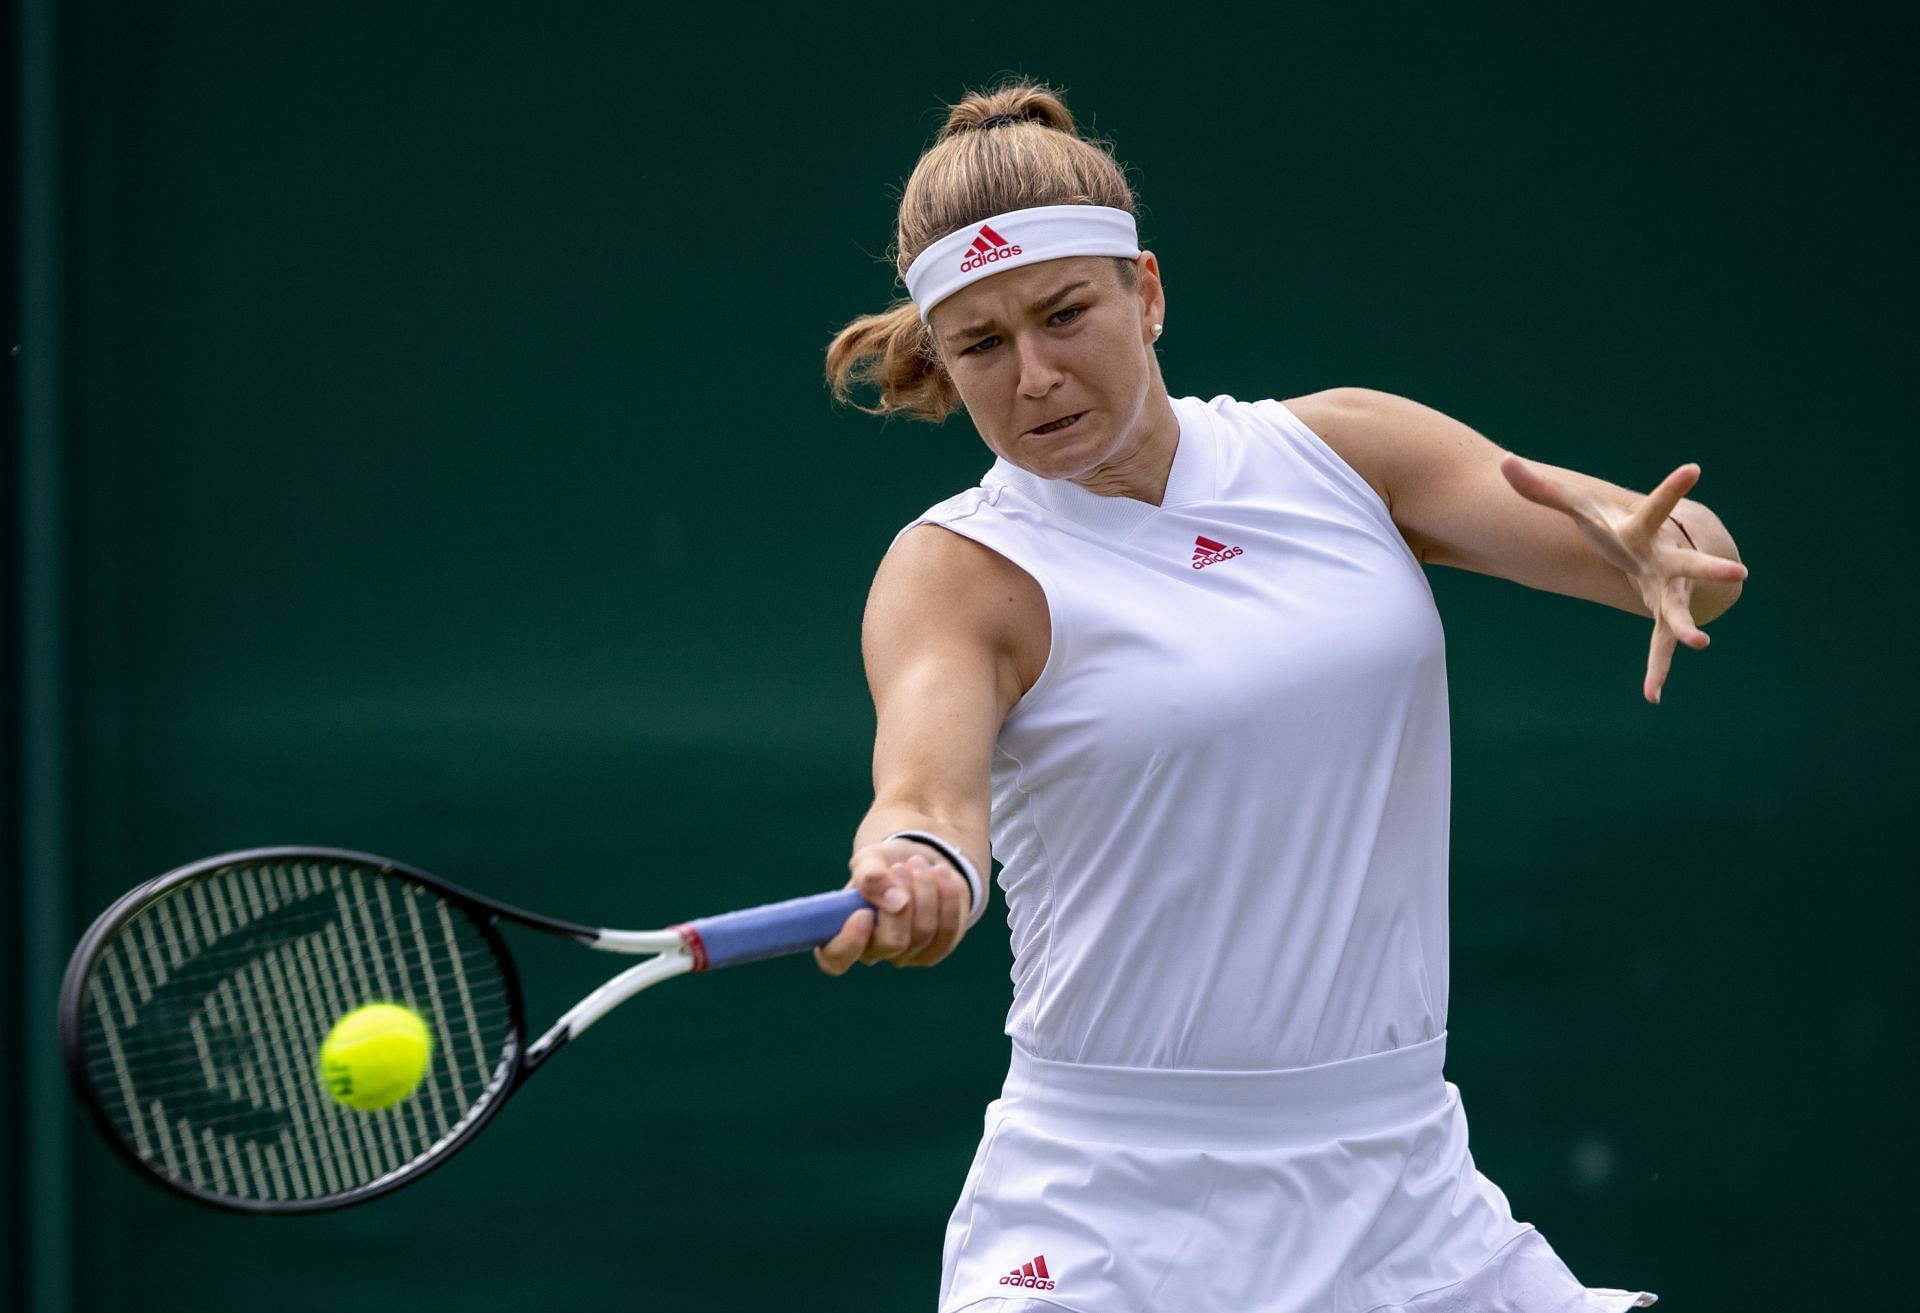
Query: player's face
1061,340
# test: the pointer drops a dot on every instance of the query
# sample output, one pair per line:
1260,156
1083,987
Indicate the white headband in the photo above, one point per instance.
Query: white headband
1016,238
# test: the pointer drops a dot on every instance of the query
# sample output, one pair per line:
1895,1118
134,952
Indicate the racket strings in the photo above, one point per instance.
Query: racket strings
389,942
206,1013
344,1160
271,1002
326,971
174,1070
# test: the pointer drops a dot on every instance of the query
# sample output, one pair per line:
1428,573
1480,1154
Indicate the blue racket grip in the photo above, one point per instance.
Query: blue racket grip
774,930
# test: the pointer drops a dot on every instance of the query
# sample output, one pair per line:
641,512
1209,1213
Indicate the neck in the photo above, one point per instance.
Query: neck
1141,472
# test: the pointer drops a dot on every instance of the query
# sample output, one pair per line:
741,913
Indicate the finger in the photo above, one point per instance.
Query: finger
925,913
1536,485
950,899
895,923
955,898
949,914
1659,661
1652,512
1676,604
880,886
840,952
1705,565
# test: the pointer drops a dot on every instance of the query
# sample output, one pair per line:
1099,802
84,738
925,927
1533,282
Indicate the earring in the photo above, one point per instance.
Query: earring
1156,329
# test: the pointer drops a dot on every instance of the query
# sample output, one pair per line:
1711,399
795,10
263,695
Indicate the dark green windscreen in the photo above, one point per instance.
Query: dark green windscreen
448,474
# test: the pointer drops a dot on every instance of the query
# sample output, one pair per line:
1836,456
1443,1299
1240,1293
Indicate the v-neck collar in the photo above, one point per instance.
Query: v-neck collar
1193,477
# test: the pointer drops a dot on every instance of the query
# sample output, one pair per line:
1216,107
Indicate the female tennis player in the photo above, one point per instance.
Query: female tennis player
1179,659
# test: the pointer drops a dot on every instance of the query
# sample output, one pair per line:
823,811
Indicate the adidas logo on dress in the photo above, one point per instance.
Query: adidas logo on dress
987,247
1207,552
1030,1276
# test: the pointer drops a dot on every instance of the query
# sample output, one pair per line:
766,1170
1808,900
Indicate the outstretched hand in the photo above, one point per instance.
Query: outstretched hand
1635,541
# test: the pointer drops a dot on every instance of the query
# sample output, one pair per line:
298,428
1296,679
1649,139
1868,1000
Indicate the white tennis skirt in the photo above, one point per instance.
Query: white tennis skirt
1345,1188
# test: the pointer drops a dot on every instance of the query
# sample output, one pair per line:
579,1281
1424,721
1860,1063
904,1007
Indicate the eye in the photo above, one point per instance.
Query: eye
980,347
1073,311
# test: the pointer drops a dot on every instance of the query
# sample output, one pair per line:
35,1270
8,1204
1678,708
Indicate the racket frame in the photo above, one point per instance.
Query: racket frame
522,1058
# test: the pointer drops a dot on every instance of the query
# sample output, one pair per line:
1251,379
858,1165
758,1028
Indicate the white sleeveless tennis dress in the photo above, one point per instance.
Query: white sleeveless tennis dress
1222,814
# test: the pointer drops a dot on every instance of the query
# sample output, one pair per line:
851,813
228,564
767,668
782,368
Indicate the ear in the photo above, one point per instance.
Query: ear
1153,295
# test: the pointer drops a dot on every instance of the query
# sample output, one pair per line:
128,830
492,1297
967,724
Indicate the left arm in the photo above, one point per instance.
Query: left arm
1460,500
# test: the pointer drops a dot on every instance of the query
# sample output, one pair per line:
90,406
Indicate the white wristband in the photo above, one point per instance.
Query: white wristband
958,860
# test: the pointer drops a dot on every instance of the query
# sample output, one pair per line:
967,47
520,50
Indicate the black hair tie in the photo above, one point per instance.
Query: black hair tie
998,119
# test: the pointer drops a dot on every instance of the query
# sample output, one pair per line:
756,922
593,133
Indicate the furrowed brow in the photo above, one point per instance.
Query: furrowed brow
1038,307
1041,307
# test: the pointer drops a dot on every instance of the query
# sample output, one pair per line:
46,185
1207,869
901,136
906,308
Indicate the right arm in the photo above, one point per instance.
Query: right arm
954,635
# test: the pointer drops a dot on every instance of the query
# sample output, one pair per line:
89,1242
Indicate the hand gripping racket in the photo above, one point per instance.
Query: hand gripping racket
194,1009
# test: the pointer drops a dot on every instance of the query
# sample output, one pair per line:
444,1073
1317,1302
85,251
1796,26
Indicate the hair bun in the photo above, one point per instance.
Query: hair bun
1009,103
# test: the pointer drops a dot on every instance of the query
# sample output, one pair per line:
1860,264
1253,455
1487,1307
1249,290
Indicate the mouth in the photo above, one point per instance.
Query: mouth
1058,425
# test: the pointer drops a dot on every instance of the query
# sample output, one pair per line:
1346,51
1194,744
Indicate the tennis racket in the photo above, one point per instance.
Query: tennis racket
194,1009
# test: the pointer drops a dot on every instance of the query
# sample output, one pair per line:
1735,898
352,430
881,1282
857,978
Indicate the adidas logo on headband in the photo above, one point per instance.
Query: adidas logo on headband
987,247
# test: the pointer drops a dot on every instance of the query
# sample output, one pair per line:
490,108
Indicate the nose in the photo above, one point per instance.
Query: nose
1039,374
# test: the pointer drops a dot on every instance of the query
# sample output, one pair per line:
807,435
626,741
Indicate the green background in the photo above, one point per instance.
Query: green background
418,444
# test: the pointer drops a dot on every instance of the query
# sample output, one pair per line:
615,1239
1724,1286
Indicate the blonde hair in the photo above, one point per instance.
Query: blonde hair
967,176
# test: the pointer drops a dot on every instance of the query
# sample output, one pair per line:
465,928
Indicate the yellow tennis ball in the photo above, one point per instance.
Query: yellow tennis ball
375,1056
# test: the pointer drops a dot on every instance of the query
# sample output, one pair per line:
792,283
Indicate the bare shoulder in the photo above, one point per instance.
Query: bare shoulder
933,571
1355,423
939,592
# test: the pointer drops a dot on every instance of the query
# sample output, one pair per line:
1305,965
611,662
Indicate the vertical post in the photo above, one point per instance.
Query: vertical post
46,1257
